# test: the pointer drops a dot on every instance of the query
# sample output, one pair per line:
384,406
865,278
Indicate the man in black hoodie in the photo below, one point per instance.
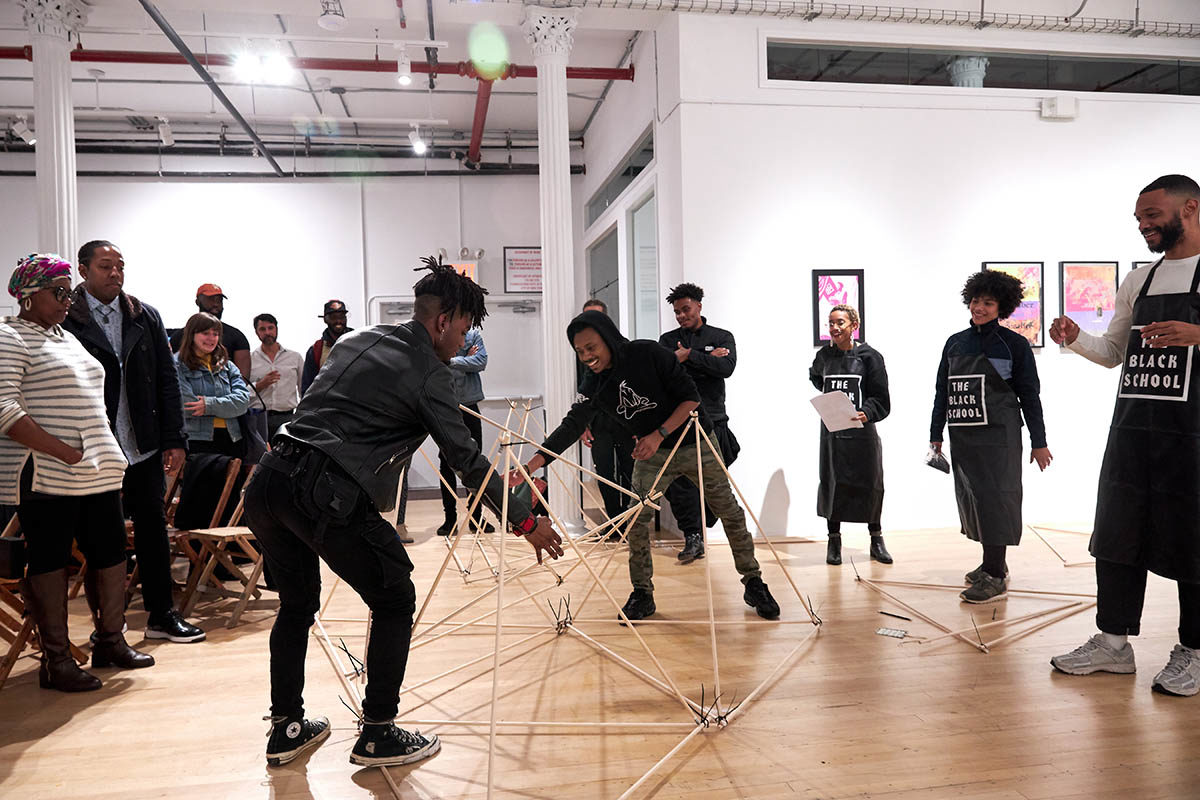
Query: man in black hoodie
644,390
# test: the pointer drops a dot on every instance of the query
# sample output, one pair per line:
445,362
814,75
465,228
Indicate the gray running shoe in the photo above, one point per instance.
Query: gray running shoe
985,590
1095,655
978,572
1181,675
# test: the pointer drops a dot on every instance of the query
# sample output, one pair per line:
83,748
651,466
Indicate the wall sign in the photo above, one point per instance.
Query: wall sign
522,270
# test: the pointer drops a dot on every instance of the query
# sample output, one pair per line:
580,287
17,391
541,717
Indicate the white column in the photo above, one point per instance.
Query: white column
550,34
967,71
54,25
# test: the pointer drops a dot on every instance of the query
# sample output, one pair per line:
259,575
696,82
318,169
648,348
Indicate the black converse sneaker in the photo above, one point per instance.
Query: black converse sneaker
382,744
290,737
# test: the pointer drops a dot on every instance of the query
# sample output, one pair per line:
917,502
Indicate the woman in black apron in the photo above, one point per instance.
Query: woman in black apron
851,488
986,380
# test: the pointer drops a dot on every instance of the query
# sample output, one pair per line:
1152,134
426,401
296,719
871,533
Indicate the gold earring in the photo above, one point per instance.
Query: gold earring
27,303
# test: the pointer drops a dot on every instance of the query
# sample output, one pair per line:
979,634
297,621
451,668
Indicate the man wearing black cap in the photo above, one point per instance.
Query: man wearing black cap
335,327
211,299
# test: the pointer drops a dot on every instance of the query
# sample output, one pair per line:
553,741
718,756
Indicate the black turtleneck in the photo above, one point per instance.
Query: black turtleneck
1012,357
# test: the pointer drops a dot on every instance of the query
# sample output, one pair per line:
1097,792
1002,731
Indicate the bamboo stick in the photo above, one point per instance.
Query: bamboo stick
1043,538
746,506
883,582
712,614
547,724
1039,626
1011,621
977,645
635,669
637,784
491,781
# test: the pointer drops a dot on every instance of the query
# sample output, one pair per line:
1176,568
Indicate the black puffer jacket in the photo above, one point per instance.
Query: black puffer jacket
638,392
151,383
381,392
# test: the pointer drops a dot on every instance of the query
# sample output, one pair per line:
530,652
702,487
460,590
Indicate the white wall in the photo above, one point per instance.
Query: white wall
916,190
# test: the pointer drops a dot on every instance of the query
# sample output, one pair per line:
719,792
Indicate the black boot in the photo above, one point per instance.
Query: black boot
833,551
639,605
758,596
878,550
693,548
45,598
111,649
447,526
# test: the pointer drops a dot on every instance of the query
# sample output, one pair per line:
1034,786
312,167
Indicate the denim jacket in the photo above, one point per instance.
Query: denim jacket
225,395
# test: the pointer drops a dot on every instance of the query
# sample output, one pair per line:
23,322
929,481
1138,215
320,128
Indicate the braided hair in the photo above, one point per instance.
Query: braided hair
456,293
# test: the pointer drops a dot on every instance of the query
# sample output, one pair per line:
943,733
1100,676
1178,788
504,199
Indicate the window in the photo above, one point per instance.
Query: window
603,272
794,61
643,247
624,175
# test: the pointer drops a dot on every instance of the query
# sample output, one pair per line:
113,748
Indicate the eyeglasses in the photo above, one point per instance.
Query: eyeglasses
62,294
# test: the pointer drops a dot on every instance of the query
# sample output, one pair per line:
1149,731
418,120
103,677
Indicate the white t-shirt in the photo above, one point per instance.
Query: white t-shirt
1173,276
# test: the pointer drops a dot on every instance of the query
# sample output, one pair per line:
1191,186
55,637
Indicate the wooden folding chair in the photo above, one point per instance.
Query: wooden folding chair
218,547
18,631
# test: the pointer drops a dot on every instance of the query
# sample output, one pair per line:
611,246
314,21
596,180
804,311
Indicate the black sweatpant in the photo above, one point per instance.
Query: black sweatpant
1121,593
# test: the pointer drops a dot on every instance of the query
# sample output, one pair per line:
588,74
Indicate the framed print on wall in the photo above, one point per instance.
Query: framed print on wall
1087,293
522,270
832,287
1030,317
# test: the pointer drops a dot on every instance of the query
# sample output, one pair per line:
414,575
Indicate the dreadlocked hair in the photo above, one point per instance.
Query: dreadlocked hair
456,292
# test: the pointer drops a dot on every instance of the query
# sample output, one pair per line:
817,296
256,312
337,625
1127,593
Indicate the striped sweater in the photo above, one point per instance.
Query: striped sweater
48,376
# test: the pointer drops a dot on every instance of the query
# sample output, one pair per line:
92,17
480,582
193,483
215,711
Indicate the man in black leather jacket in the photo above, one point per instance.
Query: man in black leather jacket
141,395
319,493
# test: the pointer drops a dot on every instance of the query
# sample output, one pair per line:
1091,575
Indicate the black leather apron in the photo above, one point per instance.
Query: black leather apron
851,488
1148,502
984,416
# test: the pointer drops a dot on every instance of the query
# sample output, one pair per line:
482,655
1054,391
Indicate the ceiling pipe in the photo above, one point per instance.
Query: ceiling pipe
463,69
482,97
190,59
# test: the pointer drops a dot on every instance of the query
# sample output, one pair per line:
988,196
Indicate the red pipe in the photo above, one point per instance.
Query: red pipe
482,96
461,68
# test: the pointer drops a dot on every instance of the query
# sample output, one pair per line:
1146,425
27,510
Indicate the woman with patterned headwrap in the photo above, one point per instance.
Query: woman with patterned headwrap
62,467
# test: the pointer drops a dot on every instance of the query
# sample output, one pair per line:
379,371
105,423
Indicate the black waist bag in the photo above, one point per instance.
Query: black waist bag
323,490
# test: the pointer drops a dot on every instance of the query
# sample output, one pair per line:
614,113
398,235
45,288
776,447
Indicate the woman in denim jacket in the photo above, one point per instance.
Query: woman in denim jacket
214,394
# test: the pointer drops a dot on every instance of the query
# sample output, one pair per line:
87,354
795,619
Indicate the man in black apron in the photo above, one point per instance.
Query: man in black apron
1148,502
986,380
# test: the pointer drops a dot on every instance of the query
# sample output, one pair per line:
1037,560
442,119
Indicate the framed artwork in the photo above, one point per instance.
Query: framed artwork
1029,319
1087,293
522,270
832,287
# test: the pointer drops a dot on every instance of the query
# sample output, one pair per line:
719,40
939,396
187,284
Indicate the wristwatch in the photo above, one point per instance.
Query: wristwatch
525,527
663,432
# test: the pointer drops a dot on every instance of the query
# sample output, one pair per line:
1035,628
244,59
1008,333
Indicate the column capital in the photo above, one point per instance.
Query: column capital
61,18
550,31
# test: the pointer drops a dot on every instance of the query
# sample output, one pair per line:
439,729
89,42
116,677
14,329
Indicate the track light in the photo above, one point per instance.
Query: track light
20,128
332,17
418,144
403,67
165,135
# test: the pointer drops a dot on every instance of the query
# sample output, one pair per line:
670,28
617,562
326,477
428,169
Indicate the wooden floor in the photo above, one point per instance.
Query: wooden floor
854,714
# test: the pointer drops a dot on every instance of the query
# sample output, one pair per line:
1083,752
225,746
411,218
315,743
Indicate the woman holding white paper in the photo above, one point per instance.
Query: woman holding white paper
851,488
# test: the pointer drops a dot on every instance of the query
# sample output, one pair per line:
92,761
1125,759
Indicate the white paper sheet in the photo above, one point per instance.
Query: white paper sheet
836,411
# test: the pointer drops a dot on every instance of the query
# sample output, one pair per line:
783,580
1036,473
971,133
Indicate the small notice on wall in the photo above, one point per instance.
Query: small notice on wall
522,270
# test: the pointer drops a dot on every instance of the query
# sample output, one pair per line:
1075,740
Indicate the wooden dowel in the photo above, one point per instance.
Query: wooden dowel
746,506
336,660
750,698
1062,530
629,665
474,723
1040,625
1012,621
712,616
637,784
543,630
883,582
617,620
1043,538
491,776
977,645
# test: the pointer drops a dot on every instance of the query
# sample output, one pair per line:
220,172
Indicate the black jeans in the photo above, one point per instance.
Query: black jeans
1121,593
450,499
142,497
51,522
362,549
612,453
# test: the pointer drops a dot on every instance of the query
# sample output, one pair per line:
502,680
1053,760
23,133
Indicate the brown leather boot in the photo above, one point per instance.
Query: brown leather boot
45,598
111,649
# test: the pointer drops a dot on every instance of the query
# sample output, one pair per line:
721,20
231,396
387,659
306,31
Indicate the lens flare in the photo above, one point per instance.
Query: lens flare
488,50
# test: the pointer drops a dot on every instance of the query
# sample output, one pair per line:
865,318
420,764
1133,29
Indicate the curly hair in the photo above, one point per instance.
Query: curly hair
1000,286
689,291
849,311
454,291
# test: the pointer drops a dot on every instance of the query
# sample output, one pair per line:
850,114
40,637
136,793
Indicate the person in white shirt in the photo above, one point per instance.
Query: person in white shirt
1148,503
275,373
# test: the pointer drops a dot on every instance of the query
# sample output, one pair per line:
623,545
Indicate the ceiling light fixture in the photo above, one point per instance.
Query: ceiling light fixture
248,67
165,135
276,68
21,128
332,17
403,66
418,144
